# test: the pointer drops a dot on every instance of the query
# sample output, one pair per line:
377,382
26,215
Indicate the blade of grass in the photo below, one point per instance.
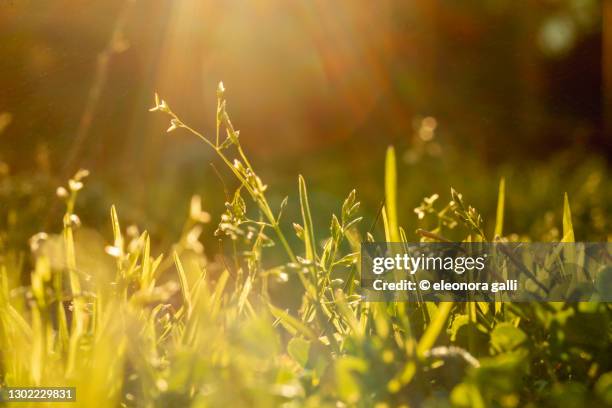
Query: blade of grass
499,218
244,294
116,227
309,241
568,228
434,329
146,263
184,284
217,296
391,194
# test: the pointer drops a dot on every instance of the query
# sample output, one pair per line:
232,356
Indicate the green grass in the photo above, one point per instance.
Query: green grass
133,327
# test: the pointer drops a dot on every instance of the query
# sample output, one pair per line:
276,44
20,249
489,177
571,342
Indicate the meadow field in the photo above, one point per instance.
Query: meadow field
274,316
171,240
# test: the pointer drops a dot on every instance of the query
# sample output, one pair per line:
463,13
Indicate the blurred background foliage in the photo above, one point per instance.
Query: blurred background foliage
467,92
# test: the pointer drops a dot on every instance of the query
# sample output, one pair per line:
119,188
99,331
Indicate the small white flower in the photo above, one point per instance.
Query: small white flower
75,220
75,185
113,251
238,165
430,200
81,174
36,240
420,213
160,105
195,210
61,192
174,124
156,107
